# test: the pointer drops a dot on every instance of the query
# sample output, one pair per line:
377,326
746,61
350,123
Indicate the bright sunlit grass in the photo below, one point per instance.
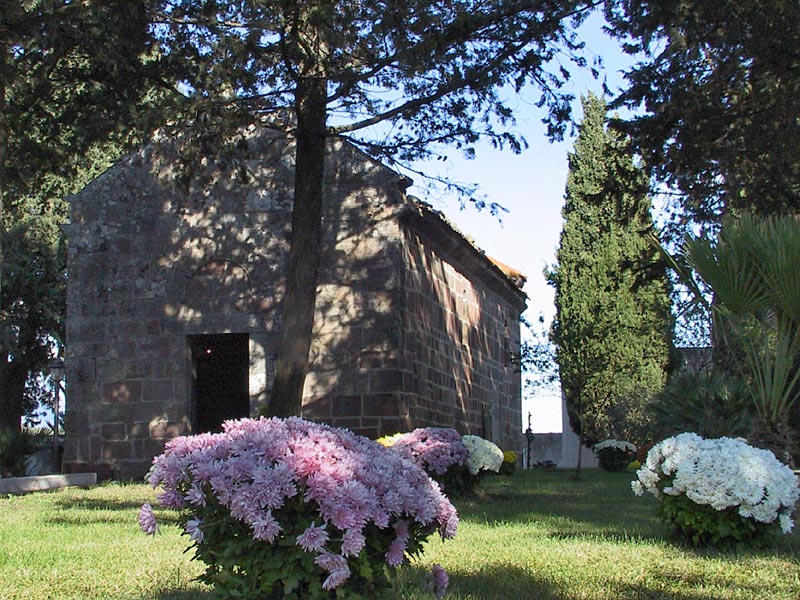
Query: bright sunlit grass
533,535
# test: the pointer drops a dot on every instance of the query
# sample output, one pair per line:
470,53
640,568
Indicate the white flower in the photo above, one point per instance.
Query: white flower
616,444
483,454
786,523
722,473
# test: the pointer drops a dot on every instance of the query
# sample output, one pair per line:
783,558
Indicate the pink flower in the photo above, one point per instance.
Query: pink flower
266,528
434,449
353,542
195,496
194,531
170,499
336,578
313,539
349,484
331,562
450,527
147,520
401,529
439,581
396,553
336,565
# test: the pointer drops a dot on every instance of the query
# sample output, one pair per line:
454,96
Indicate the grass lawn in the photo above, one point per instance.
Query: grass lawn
533,535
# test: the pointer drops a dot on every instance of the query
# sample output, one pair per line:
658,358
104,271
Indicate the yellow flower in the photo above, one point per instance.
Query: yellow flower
389,440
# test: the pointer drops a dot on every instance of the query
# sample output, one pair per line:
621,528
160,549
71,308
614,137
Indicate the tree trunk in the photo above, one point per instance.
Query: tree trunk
777,436
3,155
304,254
6,408
580,439
12,389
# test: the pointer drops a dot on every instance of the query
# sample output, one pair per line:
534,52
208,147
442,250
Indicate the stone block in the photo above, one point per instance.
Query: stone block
381,405
320,383
351,423
353,383
385,381
141,367
95,449
369,432
378,359
102,470
157,390
131,471
114,431
122,391
168,430
153,447
346,406
139,430
388,426
108,368
71,449
113,452
317,409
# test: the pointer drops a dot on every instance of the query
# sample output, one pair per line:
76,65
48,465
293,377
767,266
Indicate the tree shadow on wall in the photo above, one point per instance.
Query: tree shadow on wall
211,260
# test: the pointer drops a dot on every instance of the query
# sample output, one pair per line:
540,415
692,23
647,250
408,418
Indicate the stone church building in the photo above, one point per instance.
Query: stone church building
174,293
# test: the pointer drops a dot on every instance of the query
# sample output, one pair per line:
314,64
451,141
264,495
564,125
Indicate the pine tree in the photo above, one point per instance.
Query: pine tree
613,323
397,79
714,99
72,88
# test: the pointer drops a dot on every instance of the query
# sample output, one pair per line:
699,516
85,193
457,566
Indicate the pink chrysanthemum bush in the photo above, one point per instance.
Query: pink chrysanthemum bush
456,462
287,508
440,452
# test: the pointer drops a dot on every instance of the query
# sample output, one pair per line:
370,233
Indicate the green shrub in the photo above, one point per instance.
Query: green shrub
713,404
614,455
15,446
702,525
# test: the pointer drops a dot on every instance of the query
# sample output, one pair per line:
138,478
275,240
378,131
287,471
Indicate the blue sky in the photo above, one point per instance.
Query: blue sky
531,186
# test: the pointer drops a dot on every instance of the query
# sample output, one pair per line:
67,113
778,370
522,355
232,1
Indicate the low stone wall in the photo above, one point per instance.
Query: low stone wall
23,485
544,447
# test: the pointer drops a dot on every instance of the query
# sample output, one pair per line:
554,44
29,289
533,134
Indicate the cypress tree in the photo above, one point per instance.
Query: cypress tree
613,322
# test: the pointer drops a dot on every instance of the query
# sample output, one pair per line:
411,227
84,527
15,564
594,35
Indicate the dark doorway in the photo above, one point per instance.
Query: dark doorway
221,370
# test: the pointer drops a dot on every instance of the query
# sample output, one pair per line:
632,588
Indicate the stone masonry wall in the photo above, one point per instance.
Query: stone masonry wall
461,330
413,326
151,264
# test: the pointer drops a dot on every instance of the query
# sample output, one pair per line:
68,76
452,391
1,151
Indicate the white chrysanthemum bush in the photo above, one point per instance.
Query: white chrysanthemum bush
287,508
719,491
484,456
614,455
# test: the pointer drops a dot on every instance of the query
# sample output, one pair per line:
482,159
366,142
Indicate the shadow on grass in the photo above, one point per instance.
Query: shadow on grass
84,509
82,503
509,582
665,583
184,595
502,581
599,504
